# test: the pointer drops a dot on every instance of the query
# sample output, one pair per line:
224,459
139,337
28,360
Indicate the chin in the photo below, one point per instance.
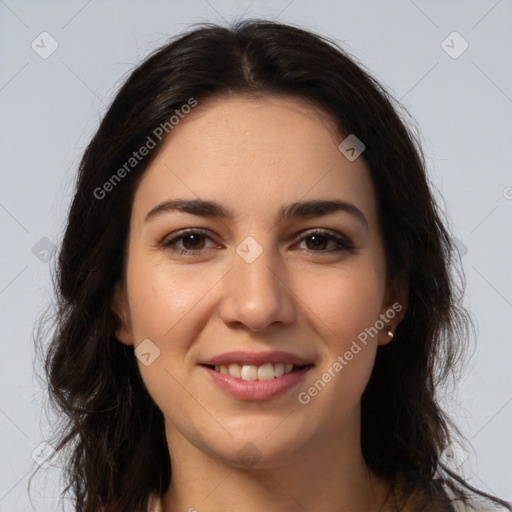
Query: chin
269,445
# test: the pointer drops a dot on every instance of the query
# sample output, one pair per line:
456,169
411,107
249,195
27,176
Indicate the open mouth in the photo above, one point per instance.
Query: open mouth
257,383
266,371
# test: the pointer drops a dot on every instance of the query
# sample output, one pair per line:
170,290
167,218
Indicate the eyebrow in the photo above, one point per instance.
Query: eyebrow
299,209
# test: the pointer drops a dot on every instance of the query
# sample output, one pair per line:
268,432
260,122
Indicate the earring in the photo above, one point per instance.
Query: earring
390,333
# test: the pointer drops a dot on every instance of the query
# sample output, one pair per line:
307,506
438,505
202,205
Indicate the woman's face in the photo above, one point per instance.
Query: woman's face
255,282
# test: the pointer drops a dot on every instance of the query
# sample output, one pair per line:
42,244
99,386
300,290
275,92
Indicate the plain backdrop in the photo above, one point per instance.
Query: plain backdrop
61,64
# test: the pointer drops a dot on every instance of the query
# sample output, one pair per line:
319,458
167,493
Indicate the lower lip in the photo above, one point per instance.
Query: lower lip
257,389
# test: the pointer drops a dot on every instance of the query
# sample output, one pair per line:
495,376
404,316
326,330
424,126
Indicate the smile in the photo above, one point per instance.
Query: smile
247,385
267,371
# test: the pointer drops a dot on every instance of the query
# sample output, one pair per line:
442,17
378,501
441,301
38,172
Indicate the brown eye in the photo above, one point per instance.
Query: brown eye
318,241
191,242
194,241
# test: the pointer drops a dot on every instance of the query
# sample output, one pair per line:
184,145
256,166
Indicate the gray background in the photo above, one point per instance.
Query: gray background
51,106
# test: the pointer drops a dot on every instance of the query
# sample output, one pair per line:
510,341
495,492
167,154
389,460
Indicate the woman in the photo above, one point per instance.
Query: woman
256,304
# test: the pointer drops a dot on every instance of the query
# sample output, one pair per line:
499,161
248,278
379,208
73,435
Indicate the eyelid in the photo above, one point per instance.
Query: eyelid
168,240
343,243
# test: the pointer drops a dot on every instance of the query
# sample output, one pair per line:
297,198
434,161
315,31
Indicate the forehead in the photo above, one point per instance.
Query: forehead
255,155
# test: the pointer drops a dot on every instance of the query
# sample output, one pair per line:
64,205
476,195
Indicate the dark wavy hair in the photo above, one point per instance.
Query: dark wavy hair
113,432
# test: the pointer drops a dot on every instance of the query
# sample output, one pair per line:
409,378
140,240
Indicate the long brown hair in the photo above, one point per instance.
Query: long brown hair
113,430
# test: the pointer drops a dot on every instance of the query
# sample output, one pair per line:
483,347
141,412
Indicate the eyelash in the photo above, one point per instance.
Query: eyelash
344,244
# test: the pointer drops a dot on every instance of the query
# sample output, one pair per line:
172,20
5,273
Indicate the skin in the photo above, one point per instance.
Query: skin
254,156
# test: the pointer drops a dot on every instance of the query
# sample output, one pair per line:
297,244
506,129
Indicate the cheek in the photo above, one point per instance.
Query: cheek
344,303
165,308
344,306
162,301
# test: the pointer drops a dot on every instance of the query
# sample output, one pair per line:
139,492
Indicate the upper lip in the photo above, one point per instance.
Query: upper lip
257,358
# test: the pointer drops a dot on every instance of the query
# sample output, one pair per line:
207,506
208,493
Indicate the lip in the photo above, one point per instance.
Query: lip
257,358
257,390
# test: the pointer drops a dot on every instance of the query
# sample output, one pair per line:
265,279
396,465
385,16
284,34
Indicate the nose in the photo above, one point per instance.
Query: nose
256,295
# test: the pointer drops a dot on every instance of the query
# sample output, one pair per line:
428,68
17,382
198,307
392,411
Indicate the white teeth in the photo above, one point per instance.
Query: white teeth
235,370
267,371
249,372
279,369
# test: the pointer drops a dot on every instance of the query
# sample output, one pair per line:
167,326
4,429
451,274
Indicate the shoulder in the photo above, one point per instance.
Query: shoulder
412,493
472,505
154,504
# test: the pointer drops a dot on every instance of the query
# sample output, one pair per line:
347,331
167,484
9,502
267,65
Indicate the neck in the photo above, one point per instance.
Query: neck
320,476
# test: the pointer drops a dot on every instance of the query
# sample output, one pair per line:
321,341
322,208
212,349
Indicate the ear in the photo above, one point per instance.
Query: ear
394,307
121,310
